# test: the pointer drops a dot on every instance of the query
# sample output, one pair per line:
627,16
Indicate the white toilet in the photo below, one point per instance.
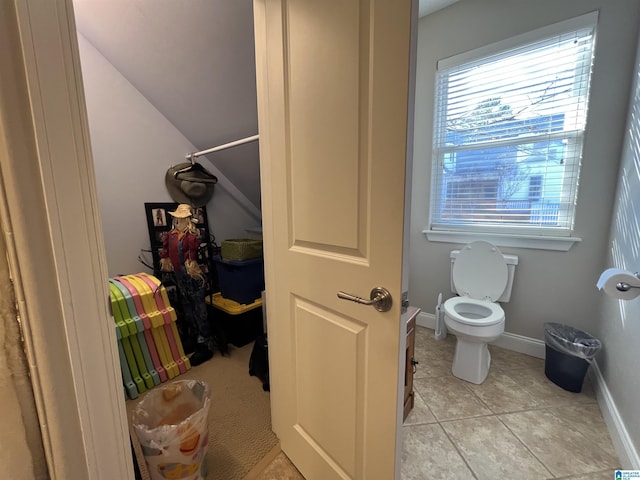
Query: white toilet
481,275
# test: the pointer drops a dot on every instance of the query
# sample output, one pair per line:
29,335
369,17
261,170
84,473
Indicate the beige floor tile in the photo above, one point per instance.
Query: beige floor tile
563,450
280,469
435,357
547,393
433,367
426,336
420,413
586,419
449,398
562,431
429,454
503,359
492,451
502,394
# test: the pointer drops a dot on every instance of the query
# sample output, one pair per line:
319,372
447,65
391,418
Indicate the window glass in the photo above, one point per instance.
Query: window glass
508,133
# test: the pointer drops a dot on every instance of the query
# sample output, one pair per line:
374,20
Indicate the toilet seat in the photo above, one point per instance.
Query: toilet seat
495,315
480,272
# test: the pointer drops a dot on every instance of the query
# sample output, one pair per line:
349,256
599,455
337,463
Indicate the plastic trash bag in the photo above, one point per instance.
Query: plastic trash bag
171,424
571,341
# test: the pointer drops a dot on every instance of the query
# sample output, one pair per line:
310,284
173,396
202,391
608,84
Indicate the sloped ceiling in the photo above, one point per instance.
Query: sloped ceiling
194,61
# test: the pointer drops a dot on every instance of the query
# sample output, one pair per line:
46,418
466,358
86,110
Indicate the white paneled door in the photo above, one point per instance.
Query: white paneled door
333,94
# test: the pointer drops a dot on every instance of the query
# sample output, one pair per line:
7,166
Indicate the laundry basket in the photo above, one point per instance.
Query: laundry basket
171,424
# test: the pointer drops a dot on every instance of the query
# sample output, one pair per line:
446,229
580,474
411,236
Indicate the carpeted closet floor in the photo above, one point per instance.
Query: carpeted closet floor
239,420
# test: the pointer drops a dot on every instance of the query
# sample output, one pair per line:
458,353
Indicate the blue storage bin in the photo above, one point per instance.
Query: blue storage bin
240,281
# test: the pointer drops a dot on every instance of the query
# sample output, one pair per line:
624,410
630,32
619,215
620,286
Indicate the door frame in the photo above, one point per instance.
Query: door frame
55,246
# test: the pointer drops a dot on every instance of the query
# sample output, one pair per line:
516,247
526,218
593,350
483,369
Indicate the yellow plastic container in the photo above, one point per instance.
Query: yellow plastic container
231,307
242,324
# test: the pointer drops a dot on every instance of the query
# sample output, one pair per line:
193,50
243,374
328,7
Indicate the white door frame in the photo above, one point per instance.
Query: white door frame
56,246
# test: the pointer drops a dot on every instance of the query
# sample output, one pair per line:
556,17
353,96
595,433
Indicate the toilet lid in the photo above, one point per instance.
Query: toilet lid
480,271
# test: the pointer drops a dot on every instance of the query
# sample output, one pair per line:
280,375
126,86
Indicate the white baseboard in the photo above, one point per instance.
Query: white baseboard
427,320
629,457
510,341
521,344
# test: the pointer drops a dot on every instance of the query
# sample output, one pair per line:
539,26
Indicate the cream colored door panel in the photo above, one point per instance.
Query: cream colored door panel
333,85
327,383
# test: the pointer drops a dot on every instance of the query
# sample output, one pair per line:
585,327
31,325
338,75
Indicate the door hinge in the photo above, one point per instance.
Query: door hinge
404,302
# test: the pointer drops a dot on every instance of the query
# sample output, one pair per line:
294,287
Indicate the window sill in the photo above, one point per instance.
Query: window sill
562,244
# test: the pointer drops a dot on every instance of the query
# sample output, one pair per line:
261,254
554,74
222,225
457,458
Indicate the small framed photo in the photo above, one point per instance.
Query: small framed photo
159,216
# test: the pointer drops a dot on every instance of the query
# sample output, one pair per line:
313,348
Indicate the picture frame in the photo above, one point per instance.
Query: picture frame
160,223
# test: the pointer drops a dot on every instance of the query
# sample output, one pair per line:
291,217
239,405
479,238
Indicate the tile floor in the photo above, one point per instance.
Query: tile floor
280,468
517,424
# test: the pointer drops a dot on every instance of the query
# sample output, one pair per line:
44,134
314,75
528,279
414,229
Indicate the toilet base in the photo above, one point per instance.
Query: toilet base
471,361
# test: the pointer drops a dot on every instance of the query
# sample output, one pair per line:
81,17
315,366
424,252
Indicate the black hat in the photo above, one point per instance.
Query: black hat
190,183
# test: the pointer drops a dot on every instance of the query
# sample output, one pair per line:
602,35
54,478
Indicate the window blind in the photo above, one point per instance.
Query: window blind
508,134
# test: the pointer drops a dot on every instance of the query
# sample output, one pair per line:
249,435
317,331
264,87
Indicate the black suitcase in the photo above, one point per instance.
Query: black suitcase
259,361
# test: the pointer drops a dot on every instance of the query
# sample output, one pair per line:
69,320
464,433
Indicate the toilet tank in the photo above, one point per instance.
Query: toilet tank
511,261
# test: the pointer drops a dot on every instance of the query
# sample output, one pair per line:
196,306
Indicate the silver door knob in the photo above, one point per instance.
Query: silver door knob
380,299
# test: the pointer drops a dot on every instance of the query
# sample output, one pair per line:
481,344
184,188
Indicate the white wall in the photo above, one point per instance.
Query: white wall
549,285
195,62
133,146
619,321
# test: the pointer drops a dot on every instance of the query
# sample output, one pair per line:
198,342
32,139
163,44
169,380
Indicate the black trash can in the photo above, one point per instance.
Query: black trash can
569,352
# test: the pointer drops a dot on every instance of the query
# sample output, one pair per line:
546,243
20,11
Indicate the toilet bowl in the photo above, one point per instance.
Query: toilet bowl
481,276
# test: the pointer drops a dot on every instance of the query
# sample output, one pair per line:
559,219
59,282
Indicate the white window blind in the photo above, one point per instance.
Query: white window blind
508,133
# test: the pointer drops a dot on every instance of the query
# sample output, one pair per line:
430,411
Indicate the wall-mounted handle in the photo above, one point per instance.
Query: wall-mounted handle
380,299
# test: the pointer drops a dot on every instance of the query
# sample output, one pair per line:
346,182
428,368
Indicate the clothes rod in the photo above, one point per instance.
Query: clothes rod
242,141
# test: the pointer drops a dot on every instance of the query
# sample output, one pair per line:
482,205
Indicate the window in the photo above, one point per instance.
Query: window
508,133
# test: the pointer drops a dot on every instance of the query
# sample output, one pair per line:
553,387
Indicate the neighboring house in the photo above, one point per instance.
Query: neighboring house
519,181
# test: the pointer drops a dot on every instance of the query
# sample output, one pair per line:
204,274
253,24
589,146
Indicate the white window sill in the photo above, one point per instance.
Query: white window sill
562,244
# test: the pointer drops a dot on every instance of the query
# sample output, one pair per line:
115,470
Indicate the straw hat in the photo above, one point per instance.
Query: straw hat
183,211
194,185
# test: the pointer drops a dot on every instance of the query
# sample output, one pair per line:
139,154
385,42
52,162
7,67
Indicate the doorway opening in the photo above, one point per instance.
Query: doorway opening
154,95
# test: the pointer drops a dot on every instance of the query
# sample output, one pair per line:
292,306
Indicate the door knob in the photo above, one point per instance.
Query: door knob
380,299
